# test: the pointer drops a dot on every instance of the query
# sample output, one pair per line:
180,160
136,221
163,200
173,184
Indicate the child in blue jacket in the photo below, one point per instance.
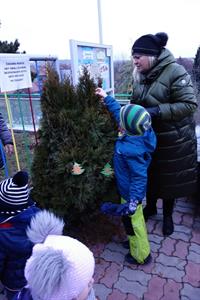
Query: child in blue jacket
16,212
132,156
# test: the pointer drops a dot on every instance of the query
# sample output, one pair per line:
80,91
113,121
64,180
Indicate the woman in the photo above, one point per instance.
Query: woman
165,89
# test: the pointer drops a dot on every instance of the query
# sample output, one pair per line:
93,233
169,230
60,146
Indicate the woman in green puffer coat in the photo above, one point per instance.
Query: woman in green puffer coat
165,89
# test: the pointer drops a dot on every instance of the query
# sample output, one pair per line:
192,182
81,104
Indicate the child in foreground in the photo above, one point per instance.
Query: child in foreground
60,267
132,156
16,212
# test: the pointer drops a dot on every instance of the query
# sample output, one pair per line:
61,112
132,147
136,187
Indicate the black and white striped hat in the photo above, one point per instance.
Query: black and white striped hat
14,194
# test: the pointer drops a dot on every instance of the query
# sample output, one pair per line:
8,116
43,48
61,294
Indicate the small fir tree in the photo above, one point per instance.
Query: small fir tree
196,71
196,81
76,141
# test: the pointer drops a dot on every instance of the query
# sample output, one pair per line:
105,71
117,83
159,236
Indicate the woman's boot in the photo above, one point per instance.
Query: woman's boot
168,225
150,208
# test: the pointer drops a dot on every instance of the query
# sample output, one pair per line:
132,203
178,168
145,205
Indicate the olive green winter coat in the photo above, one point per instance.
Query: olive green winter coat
173,172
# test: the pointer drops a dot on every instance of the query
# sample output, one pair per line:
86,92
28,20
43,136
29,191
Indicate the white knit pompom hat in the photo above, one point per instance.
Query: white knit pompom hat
59,269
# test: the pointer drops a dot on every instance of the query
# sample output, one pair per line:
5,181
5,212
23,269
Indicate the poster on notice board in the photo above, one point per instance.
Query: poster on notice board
97,58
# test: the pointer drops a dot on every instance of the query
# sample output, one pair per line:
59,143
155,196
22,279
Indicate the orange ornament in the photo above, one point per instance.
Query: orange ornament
77,169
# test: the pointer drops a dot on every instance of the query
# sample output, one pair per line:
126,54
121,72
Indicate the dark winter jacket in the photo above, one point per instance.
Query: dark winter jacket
131,158
15,248
5,134
24,294
167,85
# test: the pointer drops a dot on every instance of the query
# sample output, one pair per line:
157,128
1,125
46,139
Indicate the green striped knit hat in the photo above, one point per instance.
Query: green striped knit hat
134,119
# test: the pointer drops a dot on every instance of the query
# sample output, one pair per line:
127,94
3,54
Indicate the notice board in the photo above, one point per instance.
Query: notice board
97,58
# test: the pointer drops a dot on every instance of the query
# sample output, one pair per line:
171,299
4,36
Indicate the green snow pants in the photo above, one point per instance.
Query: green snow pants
137,234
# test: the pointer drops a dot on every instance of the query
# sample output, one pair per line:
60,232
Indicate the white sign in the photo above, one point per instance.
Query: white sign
15,73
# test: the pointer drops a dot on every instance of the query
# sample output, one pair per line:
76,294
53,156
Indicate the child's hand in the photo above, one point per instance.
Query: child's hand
100,92
132,207
128,208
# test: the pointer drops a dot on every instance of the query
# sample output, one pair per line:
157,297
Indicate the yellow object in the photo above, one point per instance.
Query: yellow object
11,128
139,243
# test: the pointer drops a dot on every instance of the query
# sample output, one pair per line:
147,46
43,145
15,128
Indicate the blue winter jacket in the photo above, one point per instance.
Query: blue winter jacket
132,157
15,249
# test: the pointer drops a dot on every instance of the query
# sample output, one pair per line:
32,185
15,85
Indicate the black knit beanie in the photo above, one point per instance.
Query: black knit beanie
20,178
14,194
150,44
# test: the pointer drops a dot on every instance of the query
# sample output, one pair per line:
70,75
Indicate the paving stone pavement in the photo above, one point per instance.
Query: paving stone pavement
174,272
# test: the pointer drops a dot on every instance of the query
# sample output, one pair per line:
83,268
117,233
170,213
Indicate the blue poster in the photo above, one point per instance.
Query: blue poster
98,62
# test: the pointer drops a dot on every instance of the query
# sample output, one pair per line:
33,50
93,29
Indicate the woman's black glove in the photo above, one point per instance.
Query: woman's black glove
153,111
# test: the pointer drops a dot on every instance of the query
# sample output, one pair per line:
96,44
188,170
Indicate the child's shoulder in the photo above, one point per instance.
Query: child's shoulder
23,218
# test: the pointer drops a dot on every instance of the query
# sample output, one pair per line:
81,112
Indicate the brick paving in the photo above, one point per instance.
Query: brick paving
174,272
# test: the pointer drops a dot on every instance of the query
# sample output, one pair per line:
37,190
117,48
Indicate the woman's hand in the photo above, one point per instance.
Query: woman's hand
100,92
153,111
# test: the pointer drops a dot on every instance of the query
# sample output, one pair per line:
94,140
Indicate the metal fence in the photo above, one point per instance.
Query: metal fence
21,109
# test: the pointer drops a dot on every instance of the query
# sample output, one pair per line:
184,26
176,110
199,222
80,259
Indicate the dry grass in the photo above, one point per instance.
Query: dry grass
25,145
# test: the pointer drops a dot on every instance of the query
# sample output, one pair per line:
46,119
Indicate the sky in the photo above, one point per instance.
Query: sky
45,27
